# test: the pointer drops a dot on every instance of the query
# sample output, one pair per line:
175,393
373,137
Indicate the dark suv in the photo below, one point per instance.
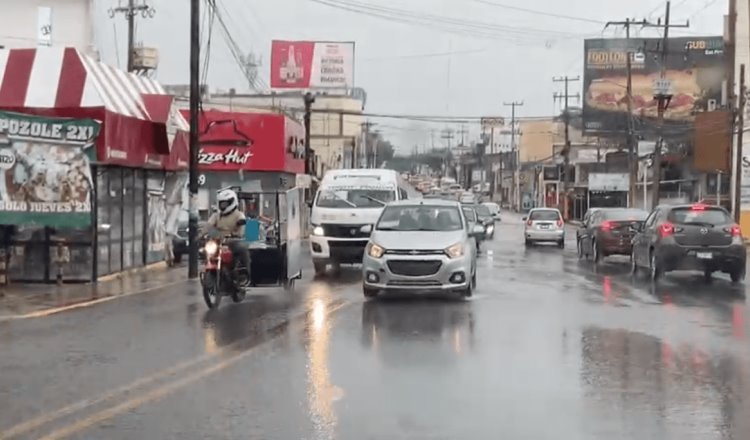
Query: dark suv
689,237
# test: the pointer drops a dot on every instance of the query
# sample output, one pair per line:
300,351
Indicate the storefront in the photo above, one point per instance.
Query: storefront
135,146
257,152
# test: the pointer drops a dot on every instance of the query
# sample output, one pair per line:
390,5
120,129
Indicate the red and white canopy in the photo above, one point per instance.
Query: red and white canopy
141,127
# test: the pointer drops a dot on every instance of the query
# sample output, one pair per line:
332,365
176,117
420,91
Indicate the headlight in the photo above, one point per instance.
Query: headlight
455,251
490,228
318,230
375,251
211,248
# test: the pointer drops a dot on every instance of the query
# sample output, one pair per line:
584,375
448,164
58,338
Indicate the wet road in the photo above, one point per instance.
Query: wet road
549,347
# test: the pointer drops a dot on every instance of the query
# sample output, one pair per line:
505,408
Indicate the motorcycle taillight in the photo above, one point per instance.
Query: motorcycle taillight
226,254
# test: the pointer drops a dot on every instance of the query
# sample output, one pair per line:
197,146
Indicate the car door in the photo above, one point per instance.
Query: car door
642,240
582,228
588,233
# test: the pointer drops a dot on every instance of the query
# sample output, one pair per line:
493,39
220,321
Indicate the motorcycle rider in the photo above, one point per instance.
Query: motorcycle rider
226,220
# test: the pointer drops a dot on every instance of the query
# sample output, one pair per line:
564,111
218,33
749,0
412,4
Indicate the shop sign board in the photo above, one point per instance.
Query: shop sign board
45,170
608,181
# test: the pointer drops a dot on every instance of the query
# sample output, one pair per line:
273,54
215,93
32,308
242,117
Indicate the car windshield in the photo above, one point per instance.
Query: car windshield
493,207
483,212
470,214
703,216
420,218
544,215
354,198
625,214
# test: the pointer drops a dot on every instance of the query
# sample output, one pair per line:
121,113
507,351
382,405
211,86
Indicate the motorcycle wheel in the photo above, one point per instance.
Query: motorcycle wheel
239,292
211,292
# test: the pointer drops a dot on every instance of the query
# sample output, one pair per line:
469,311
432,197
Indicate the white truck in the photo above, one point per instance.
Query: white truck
346,201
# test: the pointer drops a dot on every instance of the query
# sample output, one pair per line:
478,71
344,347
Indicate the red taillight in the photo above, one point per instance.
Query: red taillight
607,226
698,207
666,229
736,231
559,223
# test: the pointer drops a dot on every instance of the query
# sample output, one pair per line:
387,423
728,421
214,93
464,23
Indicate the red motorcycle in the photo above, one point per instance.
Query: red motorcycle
221,276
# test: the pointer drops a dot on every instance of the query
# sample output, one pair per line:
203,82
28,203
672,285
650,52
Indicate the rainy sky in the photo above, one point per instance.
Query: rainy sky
416,57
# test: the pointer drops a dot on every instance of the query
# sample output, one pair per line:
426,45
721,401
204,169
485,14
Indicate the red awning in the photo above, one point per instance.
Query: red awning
139,122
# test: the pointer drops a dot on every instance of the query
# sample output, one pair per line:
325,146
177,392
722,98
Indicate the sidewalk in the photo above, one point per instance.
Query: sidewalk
19,301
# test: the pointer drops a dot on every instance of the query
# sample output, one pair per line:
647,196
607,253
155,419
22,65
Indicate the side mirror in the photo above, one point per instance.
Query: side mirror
476,230
635,227
366,229
241,222
524,218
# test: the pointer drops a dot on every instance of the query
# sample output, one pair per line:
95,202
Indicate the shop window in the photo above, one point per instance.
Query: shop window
128,219
104,225
116,217
139,220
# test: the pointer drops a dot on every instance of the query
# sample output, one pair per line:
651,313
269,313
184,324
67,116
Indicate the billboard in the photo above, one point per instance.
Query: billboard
695,67
312,64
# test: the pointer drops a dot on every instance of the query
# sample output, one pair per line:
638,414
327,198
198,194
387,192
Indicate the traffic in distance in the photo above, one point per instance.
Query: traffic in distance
426,239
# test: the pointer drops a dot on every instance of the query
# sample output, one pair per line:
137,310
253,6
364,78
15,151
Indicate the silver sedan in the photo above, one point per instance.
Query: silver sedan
422,246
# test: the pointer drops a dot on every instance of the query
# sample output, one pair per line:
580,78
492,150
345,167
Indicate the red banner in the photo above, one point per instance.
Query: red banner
312,64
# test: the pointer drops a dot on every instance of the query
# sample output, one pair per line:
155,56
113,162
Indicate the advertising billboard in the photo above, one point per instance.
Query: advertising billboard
695,67
312,64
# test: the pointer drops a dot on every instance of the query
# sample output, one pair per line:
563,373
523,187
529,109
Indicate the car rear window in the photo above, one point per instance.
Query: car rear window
546,214
625,214
703,215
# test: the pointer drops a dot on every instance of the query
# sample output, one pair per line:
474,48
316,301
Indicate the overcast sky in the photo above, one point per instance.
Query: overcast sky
500,54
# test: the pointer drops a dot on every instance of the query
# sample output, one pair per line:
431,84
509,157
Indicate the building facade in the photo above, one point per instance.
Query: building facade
32,23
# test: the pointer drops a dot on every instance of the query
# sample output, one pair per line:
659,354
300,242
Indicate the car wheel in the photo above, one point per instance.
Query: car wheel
579,248
633,265
527,243
320,269
596,254
177,259
708,275
737,275
656,271
474,279
561,244
369,292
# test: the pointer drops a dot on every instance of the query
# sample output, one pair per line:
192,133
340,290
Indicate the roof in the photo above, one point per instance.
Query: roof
428,202
57,77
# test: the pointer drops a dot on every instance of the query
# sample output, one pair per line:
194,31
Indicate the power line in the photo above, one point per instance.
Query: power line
537,12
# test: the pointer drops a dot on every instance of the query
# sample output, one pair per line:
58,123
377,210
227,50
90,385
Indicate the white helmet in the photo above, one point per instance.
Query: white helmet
227,201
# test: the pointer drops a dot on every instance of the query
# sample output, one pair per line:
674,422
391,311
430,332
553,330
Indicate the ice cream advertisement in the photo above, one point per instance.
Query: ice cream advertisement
45,170
694,67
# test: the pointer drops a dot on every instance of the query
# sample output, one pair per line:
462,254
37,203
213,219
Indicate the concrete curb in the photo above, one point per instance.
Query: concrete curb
161,265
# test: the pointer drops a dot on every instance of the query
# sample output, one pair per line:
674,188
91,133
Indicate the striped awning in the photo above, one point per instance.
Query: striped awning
53,77
141,121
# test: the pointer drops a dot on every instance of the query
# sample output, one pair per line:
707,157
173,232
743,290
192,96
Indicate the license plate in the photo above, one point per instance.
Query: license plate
704,255
543,226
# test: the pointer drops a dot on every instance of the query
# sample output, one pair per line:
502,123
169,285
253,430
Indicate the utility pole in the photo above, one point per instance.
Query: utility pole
515,162
130,11
738,154
448,136
566,117
195,47
309,99
366,140
662,94
632,154
462,131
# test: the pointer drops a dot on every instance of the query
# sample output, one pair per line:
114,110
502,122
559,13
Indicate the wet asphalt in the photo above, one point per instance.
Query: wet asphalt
549,347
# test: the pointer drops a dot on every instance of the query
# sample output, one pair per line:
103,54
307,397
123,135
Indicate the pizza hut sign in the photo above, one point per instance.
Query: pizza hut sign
231,157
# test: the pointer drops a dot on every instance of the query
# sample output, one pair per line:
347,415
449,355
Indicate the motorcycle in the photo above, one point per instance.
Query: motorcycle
220,276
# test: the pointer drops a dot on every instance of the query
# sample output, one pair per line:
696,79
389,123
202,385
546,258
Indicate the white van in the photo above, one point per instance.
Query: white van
346,201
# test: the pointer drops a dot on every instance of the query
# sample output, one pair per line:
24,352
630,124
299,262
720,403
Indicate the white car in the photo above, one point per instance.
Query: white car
544,225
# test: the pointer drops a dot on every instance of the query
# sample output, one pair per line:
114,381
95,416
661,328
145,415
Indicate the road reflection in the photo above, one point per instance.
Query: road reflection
321,392
629,377
418,331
